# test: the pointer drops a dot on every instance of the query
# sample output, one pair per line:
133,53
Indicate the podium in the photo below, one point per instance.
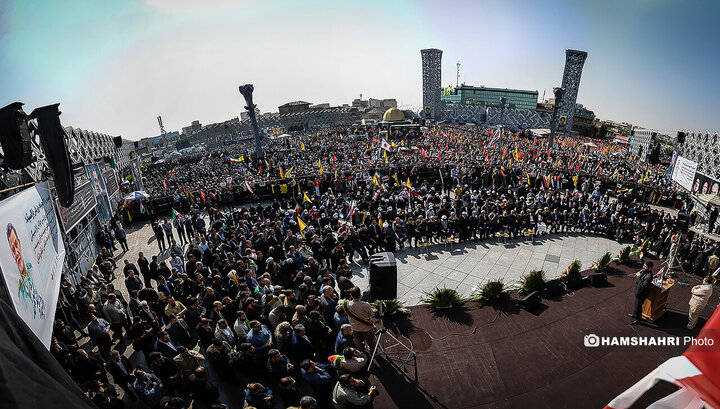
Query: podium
654,306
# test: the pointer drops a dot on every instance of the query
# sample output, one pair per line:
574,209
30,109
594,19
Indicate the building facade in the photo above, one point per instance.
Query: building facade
642,141
490,97
292,107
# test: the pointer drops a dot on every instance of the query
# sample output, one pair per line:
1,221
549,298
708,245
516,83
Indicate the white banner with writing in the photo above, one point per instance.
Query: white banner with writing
684,172
32,254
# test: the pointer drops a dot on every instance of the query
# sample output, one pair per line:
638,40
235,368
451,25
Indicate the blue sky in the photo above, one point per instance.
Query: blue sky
116,65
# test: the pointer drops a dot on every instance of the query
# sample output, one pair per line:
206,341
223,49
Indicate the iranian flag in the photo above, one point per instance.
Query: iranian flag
176,215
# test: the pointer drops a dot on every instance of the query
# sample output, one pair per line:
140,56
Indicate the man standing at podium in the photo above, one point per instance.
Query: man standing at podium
642,289
699,298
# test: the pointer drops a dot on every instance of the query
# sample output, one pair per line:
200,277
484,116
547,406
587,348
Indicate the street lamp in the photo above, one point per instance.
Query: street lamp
559,92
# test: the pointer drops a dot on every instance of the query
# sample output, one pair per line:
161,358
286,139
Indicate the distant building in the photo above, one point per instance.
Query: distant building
584,119
642,141
244,116
381,104
320,106
490,97
292,107
194,126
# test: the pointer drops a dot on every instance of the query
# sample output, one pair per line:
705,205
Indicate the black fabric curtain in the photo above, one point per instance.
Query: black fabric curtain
30,377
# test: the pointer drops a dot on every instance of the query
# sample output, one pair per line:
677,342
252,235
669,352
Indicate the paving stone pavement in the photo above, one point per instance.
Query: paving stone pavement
461,266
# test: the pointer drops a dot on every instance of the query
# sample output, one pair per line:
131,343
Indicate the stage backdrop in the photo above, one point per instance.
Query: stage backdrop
684,172
32,255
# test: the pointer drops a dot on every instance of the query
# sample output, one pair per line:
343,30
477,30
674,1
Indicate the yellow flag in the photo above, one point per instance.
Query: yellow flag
282,175
380,221
242,158
267,165
320,166
335,173
385,156
302,146
575,180
409,186
306,198
528,177
287,174
396,180
302,225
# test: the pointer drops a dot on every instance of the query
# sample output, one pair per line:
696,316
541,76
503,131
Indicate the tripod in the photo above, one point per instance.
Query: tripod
379,338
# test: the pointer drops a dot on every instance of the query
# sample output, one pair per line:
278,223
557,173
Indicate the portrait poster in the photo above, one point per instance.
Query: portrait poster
104,210
32,255
137,174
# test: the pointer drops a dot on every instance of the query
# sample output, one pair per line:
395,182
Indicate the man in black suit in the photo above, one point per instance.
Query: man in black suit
144,265
165,346
119,367
642,289
179,332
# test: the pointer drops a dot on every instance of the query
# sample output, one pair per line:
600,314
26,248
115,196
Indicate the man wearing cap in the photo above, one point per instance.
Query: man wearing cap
361,320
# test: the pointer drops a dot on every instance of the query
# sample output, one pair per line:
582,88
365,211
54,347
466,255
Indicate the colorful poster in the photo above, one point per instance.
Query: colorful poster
32,255
104,210
137,174
684,172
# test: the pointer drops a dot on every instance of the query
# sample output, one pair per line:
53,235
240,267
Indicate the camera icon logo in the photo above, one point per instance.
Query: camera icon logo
591,340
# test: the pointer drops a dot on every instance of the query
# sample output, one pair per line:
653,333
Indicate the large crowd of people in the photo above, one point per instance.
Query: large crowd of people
261,296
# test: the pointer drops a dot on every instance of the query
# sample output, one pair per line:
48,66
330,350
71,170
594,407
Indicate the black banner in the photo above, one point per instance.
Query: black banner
83,203
110,182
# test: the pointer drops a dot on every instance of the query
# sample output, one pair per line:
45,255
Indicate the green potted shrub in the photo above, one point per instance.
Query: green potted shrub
491,292
624,255
442,298
390,307
571,276
603,262
532,281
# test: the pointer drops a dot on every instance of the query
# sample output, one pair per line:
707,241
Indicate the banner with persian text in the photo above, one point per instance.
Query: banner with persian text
684,172
32,254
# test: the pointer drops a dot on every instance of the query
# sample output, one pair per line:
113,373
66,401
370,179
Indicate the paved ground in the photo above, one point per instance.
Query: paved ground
463,267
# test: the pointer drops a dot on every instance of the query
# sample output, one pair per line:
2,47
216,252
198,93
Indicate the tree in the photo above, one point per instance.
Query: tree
655,155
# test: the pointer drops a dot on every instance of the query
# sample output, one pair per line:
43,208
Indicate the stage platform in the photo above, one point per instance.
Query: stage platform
504,357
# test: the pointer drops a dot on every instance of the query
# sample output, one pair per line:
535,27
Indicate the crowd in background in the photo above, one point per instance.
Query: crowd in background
261,297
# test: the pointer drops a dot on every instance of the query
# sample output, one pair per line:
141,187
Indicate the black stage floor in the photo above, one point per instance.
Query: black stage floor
504,357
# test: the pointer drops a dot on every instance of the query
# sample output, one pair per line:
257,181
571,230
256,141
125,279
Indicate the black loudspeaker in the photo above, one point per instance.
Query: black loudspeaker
530,301
118,141
553,288
573,282
683,222
52,138
15,136
597,279
136,144
383,276
680,137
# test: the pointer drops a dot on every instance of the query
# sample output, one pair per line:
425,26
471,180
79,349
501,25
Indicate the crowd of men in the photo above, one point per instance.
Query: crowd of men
262,296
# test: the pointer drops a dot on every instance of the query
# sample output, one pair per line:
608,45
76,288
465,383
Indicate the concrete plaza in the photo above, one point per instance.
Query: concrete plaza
461,266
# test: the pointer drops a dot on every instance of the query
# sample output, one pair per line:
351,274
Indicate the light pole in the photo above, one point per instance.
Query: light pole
559,92
246,91
503,101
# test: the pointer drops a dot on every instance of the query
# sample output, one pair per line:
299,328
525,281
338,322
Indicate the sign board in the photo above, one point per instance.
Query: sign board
82,205
684,172
32,255
111,182
104,210
562,121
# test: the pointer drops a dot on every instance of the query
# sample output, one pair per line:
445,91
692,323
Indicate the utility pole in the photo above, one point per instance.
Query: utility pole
457,78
